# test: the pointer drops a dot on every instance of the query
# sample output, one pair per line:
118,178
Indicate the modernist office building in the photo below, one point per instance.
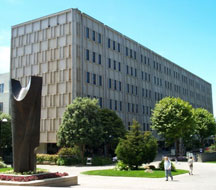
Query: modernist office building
4,92
78,55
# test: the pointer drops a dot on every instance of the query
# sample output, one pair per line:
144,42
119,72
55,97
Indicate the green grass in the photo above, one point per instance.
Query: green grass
213,162
133,173
10,171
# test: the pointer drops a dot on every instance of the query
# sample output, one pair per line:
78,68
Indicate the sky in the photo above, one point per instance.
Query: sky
183,31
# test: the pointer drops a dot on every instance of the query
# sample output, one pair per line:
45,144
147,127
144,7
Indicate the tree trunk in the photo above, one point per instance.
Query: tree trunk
82,149
177,147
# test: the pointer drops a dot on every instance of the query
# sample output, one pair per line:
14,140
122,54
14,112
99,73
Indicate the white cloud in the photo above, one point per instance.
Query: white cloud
4,59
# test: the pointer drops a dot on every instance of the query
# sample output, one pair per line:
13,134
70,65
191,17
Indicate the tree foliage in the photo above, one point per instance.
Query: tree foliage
6,134
136,148
113,127
172,118
205,124
81,125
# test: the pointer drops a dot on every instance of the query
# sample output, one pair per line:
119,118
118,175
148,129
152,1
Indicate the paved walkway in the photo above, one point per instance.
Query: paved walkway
204,178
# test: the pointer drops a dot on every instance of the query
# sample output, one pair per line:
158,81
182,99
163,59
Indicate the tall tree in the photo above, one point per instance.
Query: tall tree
81,125
137,148
172,118
205,124
113,128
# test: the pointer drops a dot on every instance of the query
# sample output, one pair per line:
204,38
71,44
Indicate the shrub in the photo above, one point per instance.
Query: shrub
67,161
72,151
211,148
137,148
101,161
152,167
50,158
161,166
121,166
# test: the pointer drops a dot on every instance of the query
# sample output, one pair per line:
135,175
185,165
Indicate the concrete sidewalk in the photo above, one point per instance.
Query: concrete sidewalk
204,177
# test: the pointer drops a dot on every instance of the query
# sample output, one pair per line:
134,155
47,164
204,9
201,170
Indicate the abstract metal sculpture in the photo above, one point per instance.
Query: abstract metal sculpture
25,111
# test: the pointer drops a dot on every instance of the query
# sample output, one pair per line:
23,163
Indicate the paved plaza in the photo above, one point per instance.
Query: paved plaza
204,178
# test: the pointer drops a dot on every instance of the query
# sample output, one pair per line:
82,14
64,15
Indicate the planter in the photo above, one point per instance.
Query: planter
205,157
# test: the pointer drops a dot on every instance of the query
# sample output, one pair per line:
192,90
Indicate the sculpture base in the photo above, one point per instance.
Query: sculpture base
64,181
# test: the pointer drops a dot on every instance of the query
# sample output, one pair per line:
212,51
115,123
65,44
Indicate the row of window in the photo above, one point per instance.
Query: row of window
132,89
157,81
130,53
94,35
1,106
157,66
146,126
115,85
133,108
146,76
131,71
168,85
146,93
100,100
115,45
2,88
158,96
116,65
94,79
94,55
115,105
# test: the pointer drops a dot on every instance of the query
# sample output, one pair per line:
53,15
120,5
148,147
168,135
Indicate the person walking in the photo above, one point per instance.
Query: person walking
190,164
167,168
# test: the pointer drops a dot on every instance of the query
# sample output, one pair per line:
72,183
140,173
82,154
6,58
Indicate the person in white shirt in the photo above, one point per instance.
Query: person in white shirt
167,168
190,164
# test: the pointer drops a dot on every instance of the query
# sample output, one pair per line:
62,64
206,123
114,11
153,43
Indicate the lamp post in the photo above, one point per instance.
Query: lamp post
4,120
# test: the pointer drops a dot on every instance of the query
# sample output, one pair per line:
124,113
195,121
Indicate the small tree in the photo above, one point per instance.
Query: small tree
172,118
81,125
135,149
6,134
205,124
113,128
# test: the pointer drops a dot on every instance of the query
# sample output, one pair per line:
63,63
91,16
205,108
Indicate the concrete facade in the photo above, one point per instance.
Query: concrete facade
79,56
4,92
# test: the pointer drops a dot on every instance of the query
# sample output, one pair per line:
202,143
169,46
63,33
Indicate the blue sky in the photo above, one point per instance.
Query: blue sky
183,31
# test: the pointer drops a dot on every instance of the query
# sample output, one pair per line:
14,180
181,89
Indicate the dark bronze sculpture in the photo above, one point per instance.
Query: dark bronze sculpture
25,111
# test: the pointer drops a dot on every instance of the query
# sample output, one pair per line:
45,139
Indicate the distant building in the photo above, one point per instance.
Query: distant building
4,92
78,55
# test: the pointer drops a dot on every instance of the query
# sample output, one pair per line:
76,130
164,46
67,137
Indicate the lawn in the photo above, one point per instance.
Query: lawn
132,173
213,162
10,171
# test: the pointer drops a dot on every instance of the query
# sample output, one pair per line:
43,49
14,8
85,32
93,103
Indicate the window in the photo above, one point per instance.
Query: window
110,83
93,57
93,35
143,91
132,71
132,89
142,75
128,107
145,59
113,45
114,65
143,109
87,32
2,88
115,85
120,106
132,107
115,104
119,66
99,59
128,90
88,77
108,43
87,55
127,69
144,127
94,78
100,102
109,63
141,57
119,47
131,53
1,106
119,86
110,104
99,38
135,71
134,54
137,110
100,80
136,90
126,51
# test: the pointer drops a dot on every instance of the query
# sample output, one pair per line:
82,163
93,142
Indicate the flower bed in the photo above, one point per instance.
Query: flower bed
32,177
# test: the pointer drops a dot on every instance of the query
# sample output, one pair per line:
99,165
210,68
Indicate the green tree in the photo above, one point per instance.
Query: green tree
205,125
135,149
113,128
81,125
172,118
5,133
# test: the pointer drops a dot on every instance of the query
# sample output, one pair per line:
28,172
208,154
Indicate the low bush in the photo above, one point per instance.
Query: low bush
211,148
161,166
72,151
50,158
101,161
121,166
67,161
